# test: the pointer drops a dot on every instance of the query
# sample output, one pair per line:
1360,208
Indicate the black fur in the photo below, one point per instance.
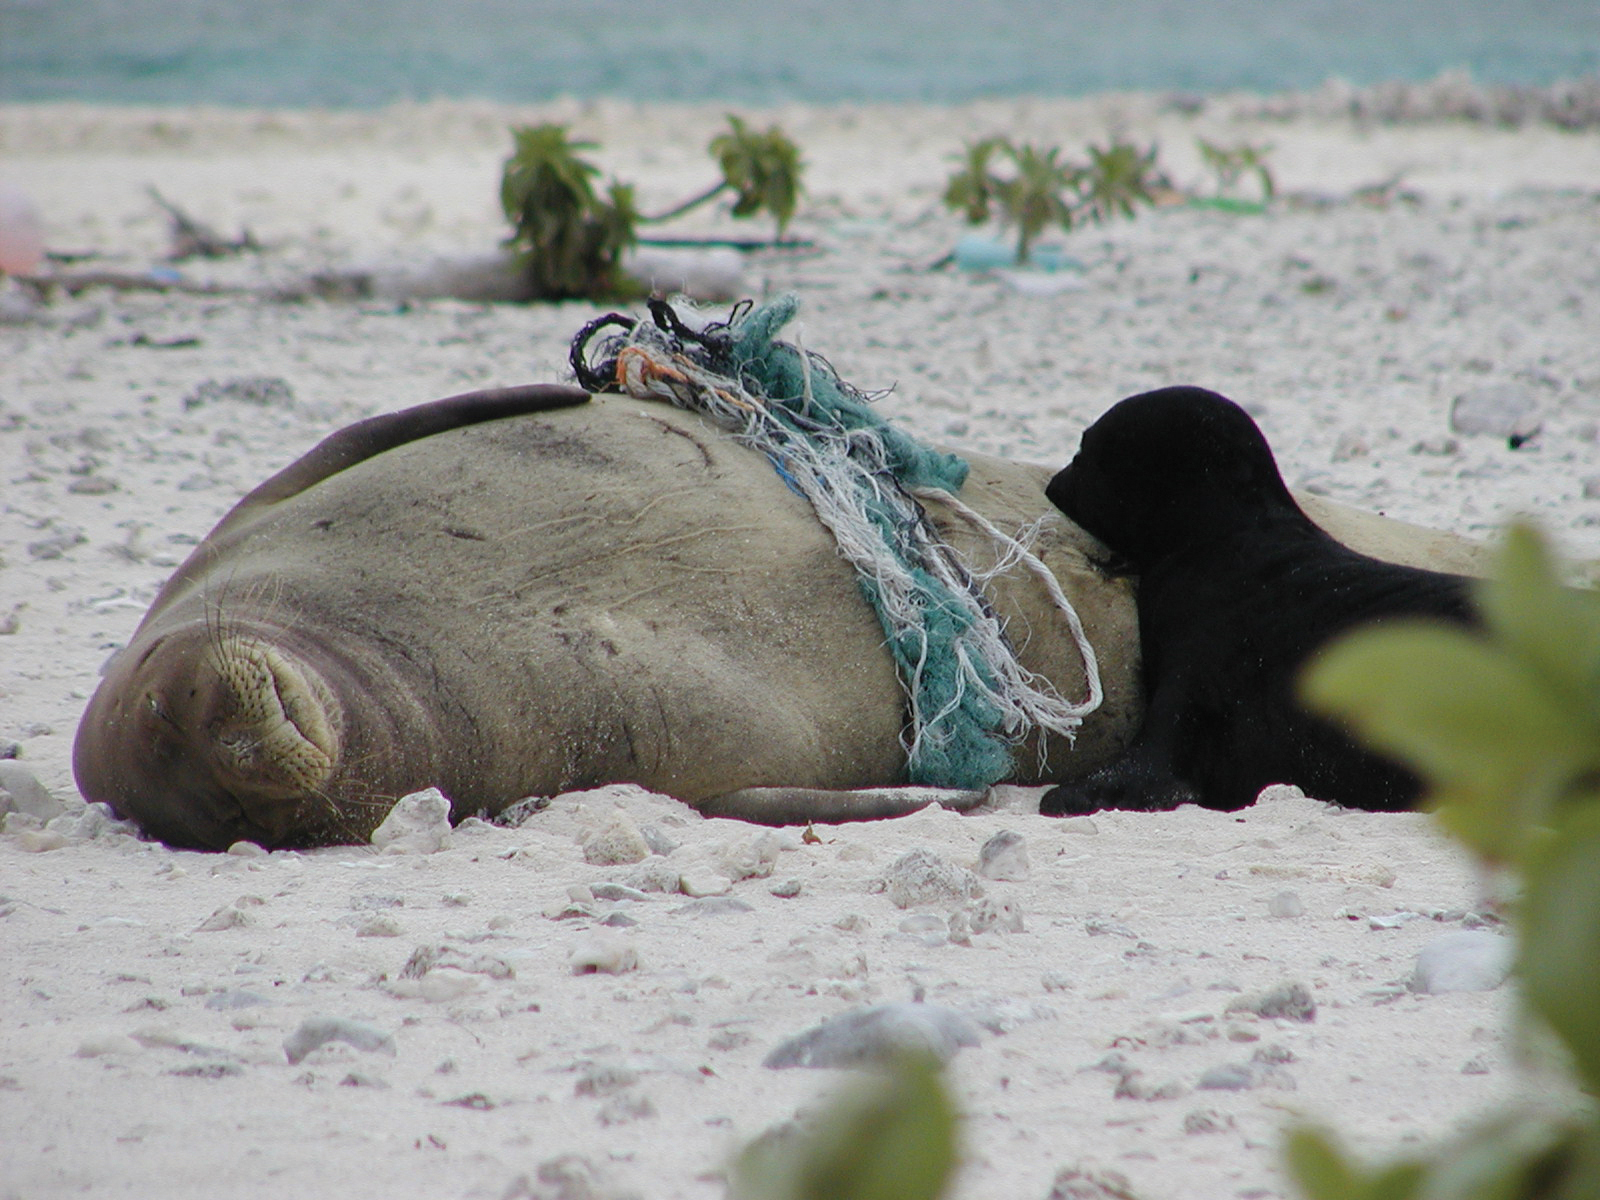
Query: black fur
1237,590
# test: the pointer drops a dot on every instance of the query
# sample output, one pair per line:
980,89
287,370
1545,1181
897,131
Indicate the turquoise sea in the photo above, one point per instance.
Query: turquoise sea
362,52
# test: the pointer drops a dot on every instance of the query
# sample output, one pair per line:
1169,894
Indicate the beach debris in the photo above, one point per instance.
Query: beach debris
513,816
264,391
1207,1120
1037,283
994,913
1288,1001
31,839
442,973
1452,95
1132,1086
429,957
1507,410
921,923
603,953
1265,1068
625,1109
615,842
919,876
656,874
21,232
657,840
569,1177
787,889
318,1031
700,882
444,984
63,538
713,906
750,857
1465,960
1229,1077
379,925
605,1079
1084,1183
617,891
710,274
1002,1014
99,1045
233,999
236,914
1004,857
878,1034
1285,904
417,824
21,792
1106,927
974,252
193,239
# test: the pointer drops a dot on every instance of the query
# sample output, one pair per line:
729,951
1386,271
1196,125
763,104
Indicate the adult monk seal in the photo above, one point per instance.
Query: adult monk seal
1237,589
532,591
521,593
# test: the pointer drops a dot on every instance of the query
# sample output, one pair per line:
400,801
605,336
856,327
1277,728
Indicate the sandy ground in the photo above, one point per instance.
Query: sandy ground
142,1041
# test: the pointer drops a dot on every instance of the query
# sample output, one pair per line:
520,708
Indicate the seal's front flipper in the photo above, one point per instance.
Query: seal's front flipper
801,806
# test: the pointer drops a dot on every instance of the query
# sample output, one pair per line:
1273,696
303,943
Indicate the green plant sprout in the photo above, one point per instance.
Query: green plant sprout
890,1136
1230,164
1038,189
762,170
568,238
1118,178
1504,727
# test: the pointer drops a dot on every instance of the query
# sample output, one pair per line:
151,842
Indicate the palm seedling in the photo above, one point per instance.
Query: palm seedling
569,239
1036,188
1117,178
1230,164
762,170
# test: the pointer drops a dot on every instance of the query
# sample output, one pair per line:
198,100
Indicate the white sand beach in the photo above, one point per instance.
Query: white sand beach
142,1042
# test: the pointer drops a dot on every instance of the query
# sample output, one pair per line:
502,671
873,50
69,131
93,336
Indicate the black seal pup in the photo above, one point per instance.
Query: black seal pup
1237,590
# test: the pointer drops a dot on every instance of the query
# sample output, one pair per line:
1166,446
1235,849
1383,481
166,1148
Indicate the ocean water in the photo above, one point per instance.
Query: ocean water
367,52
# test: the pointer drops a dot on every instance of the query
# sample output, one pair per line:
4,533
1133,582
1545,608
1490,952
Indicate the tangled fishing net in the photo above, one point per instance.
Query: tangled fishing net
970,699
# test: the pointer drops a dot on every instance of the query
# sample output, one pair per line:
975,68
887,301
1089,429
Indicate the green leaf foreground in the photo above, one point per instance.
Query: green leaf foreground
890,1136
1503,725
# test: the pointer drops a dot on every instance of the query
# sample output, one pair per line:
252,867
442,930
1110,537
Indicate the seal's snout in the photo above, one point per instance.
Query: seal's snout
206,740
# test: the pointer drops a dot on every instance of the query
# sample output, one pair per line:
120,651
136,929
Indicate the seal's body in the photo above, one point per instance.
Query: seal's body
531,591
1237,590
